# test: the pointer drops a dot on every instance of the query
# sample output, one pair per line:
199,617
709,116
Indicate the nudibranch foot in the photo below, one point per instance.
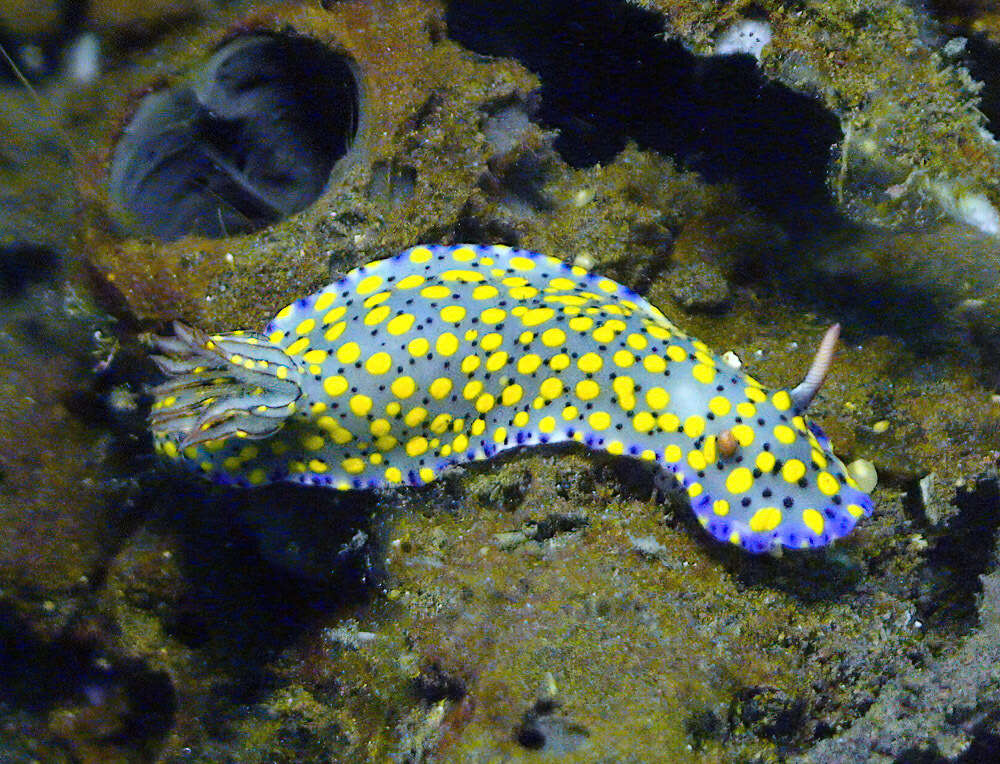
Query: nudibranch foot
447,354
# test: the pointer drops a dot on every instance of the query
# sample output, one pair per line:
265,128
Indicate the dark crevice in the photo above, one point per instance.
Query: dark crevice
951,582
249,140
608,77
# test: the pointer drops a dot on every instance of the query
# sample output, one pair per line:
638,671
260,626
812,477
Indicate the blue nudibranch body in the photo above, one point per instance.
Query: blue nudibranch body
444,355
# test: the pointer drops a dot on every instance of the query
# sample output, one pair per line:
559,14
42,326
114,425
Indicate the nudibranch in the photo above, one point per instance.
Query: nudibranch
448,354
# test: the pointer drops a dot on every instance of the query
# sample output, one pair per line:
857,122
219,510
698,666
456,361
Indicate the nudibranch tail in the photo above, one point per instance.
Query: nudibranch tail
219,386
805,391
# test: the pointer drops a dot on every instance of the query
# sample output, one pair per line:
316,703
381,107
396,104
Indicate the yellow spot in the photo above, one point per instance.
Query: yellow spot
294,349
523,293
360,404
459,274
315,356
616,447
813,520
170,449
600,420
668,422
654,364
426,474
440,423
191,452
349,352
703,373
604,333
590,363
375,458
672,453
521,418
522,263
420,255
570,412
496,361
793,470
400,324
415,416
782,400
380,427
470,335
818,459
435,292
694,489
460,443
335,331
334,314
392,408
452,314
696,459
766,519
470,363
485,403
403,387
491,341
464,254
500,435
636,341
746,410
551,388
257,476
353,466
547,424
740,480
529,363
744,434
649,455
719,406
472,389
624,359
607,285
657,398
324,301
410,282
418,347
765,461
755,394
440,388
827,483
643,421
478,427
276,337
677,353
581,323
446,344
526,338
587,389
416,446
784,434
285,312
694,426
721,507
493,315
485,292
230,464
379,363
855,510
511,394
385,443
313,442
559,362
537,316
393,475
305,326
553,337
369,284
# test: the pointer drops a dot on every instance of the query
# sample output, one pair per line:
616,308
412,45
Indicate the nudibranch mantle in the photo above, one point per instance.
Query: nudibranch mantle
448,354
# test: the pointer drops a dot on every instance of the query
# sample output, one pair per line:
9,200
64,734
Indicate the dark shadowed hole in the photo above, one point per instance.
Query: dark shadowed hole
609,76
24,263
249,140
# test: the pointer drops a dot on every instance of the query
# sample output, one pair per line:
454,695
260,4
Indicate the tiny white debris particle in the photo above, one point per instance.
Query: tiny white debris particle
732,359
747,36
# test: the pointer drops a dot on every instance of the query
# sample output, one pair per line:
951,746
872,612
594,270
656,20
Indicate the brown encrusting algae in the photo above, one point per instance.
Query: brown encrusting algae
754,171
